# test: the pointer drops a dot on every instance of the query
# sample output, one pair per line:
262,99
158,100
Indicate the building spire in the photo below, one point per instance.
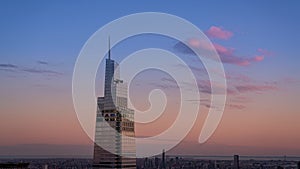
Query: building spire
109,47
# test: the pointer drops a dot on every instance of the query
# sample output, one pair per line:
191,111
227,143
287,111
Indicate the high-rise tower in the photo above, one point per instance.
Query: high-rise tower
114,123
236,162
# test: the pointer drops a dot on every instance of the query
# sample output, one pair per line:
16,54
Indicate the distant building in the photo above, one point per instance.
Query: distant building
14,166
163,160
112,109
236,162
156,162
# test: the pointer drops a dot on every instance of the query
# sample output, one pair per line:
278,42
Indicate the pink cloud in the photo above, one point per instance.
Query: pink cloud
194,42
227,54
223,50
200,44
258,58
218,33
243,63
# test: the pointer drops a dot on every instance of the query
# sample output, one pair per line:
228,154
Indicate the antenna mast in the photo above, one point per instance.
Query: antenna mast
109,47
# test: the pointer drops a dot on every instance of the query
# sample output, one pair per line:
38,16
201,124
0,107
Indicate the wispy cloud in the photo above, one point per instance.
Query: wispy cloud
237,87
41,71
204,86
265,52
255,88
17,69
7,65
236,106
227,54
258,58
163,85
238,84
42,62
164,79
239,78
218,33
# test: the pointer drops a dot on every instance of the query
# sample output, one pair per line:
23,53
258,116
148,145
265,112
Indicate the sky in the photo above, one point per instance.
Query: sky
257,42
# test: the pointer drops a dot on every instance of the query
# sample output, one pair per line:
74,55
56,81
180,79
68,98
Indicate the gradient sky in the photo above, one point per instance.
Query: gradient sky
257,42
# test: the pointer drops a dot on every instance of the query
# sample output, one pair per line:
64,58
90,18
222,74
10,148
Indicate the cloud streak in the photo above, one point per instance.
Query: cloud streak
227,55
42,62
6,65
15,68
41,71
235,90
255,88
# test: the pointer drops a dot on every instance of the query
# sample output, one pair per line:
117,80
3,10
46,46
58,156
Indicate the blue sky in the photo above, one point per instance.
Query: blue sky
56,31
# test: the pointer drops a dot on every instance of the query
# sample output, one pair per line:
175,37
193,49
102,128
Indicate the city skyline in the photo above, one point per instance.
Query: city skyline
257,43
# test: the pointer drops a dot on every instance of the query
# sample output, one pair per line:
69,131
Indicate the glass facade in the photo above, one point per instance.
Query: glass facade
118,136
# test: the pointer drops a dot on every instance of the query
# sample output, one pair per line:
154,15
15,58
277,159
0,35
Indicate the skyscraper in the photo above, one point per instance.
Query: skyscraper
163,163
114,123
236,162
